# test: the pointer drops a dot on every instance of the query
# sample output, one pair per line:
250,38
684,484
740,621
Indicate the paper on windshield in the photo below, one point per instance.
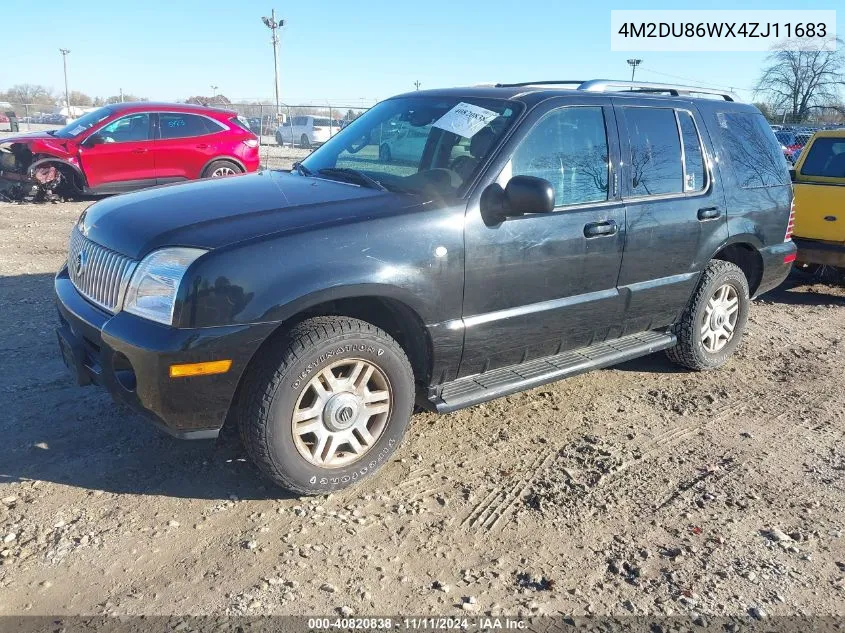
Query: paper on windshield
77,130
465,119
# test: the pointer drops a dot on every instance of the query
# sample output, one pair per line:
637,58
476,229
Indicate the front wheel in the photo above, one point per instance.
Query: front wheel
713,322
327,405
304,142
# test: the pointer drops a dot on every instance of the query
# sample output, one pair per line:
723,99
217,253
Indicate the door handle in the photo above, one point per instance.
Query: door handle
709,213
600,229
139,150
202,146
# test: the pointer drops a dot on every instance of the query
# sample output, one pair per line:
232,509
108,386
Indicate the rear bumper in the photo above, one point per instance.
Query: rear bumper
777,262
820,252
131,357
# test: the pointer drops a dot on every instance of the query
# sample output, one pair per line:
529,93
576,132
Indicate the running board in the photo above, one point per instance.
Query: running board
472,390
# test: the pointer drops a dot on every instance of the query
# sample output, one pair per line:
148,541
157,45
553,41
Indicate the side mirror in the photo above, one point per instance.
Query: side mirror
523,194
94,139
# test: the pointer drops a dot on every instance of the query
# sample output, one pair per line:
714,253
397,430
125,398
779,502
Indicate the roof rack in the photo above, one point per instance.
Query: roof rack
613,85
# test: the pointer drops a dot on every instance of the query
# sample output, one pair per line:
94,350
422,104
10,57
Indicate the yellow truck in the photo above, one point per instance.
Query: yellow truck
819,188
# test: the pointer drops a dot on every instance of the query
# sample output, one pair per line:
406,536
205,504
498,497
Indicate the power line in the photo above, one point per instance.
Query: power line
697,81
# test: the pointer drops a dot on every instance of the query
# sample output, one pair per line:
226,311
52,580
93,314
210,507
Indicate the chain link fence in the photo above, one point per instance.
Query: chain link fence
281,134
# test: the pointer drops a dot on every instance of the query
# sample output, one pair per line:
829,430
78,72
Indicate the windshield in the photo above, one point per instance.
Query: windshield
85,122
422,144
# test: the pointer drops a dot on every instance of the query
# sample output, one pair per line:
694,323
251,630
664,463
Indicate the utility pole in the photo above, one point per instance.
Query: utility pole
121,95
274,26
633,63
64,52
417,84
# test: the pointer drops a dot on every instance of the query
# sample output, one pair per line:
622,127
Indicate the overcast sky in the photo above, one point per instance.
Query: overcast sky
344,52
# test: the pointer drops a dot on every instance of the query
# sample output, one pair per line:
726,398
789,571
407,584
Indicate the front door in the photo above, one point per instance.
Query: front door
122,157
544,283
675,208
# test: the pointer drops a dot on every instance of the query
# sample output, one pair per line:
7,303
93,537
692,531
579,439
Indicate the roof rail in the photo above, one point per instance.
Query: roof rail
613,85
556,82
605,85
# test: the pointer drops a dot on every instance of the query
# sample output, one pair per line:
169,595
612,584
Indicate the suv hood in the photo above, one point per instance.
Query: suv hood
213,213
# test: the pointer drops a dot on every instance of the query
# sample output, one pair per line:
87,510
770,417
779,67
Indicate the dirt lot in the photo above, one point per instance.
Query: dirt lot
642,489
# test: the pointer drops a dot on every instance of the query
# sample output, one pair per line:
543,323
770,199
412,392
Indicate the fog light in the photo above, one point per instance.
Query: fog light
200,369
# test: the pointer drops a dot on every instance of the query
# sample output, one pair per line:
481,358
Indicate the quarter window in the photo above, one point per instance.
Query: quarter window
655,161
755,157
181,125
132,128
826,158
694,168
568,147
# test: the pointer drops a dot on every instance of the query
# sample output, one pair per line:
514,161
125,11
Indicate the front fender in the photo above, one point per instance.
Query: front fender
416,259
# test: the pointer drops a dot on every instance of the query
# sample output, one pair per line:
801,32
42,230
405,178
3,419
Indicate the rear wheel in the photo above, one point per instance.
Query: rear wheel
279,139
304,142
221,169
712,325
384,153
327,406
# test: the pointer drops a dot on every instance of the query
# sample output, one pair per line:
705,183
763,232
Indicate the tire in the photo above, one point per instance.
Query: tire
279,141
384,153
221,169
699,349
304,142
280,385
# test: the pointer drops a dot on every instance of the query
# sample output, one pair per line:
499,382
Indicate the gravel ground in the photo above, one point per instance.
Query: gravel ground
640,489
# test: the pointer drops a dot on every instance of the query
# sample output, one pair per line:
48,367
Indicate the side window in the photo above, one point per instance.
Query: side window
655,160
753,152
694,168
568,147
132,128
181,125
826,158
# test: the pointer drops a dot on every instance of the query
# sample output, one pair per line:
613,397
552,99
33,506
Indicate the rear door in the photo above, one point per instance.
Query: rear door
543,283
185,144
676,215
123,157
820,190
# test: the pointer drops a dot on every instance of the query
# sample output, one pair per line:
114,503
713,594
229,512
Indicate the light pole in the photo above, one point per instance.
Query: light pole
633,63
64,52
214,90
274,25
417,84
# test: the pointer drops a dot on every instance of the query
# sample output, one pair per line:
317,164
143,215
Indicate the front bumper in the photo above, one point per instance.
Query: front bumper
131,358
820,252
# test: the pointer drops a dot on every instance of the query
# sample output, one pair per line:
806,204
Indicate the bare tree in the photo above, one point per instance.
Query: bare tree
30,93
799,81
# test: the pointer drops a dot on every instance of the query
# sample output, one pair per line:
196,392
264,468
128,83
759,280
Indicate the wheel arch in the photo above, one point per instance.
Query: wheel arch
224,157
390,314
63,165
743,252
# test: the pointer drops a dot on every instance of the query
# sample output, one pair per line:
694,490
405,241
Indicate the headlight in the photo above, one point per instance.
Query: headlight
152,290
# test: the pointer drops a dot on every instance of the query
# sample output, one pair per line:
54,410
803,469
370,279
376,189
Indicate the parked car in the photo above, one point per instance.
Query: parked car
539,233
306,131
404,144
129,146
819,184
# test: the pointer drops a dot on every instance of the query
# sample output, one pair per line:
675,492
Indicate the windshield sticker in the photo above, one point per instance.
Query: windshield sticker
465,119
77,130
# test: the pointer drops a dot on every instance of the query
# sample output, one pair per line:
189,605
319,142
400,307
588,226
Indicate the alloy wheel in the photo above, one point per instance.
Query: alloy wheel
719,320
341,413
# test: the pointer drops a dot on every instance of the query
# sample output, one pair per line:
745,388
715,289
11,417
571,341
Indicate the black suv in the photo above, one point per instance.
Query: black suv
511,236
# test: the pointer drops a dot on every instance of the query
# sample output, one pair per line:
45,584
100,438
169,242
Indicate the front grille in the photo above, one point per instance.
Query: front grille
99,274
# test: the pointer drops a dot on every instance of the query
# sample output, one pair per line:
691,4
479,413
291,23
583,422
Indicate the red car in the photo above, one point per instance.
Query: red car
128,146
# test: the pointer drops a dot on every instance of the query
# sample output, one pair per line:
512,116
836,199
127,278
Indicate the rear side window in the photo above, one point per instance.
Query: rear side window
655,160
241,122
181,125
568,147
322,122
826,158
753,151
694,168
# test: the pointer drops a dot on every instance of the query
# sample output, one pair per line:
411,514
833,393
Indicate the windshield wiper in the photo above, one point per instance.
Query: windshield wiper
301,169
353,174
